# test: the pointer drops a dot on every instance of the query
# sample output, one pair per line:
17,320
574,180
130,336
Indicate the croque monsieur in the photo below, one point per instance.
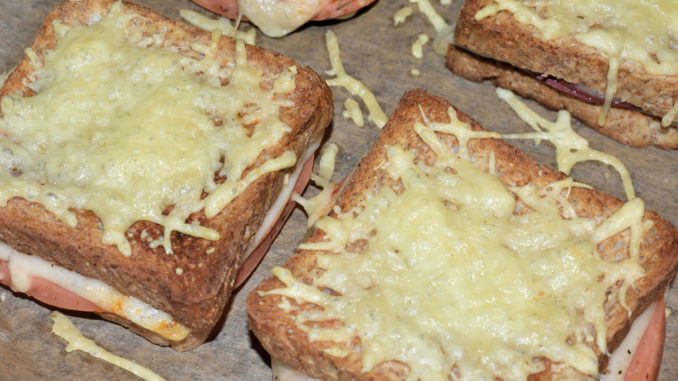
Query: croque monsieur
450,254
613,64
142,160
278,18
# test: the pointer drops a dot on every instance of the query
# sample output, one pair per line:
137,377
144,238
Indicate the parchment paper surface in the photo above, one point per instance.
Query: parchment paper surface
378,54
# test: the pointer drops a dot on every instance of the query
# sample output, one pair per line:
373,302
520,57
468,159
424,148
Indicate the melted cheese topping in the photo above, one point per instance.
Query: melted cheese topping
159,134
63,328
277,18
354,86
617,365
644,31
223,24
444,273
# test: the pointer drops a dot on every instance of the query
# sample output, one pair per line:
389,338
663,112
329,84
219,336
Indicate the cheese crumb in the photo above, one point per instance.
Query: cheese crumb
353,112
402,15
418,45
179,270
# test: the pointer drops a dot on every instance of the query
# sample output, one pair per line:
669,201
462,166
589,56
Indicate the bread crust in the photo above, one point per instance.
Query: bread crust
277,330
197,297
625,126
503,38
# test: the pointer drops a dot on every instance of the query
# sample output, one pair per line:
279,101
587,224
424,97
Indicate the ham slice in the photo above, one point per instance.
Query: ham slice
584,94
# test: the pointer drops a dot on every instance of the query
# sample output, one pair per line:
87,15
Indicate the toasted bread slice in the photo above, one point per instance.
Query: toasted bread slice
625,126
196,295
272,317
502,37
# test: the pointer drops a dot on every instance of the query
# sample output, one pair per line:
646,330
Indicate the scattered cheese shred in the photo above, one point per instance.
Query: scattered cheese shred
444,31
418,45
317,205
77,342
353,112
402,15
326,166
354,86
571,148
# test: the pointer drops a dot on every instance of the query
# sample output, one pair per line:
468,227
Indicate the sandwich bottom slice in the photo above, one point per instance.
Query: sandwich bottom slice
623,125
451,254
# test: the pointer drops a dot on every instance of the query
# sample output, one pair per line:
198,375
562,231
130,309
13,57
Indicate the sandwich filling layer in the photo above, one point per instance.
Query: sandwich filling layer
455,275
645,32
132,130
24,268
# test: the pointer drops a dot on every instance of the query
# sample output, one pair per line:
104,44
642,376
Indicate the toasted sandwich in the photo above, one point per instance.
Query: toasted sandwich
143,160
279,18
450,254
611,64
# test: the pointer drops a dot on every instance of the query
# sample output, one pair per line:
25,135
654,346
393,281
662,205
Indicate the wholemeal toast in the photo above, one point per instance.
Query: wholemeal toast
176,273
287,312
580,73
623,125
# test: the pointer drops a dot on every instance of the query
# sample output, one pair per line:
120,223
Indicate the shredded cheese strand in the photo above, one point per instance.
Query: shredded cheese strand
571,148
63,328
354,86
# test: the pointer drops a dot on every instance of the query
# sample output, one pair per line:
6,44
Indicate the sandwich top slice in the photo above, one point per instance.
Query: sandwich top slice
142,160
617,54
450,254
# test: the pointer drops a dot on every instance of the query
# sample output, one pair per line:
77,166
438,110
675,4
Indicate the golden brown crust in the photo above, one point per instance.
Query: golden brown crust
625,126
195,298
277,330
503,38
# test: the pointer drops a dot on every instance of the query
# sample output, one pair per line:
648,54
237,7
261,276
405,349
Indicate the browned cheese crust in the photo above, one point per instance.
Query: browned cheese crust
197,297
625,126
279,334
503,38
